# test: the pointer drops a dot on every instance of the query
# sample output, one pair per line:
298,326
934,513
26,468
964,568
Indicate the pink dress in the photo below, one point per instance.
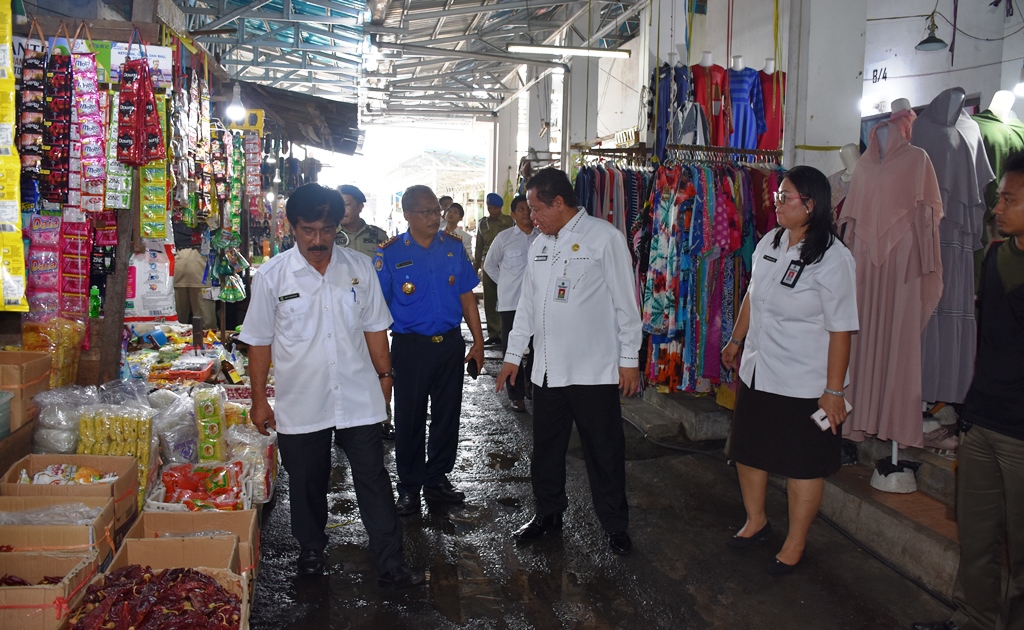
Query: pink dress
892,215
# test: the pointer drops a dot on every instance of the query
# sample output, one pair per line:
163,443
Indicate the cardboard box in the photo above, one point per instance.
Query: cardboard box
24,374
124,491
68,539
42,607
242,523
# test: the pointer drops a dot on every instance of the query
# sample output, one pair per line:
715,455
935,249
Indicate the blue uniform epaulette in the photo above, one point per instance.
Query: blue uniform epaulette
389,241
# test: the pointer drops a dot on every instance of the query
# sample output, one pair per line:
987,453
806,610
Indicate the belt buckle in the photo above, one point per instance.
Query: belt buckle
437,338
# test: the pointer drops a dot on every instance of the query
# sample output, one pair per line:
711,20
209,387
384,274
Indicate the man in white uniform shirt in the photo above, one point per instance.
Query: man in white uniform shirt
317,310
506,264
578,304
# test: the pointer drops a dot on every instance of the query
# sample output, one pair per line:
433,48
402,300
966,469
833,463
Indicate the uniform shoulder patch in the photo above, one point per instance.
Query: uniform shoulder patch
389,241
454,235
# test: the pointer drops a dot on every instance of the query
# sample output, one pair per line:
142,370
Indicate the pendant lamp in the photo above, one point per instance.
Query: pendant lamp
931,42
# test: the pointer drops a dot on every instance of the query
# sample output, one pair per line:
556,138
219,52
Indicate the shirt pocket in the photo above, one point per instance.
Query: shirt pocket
353,305
294,320
581,267
514,260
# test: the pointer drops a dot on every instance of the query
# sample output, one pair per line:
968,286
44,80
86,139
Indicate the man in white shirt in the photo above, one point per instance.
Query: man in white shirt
317,310
579,306
506,264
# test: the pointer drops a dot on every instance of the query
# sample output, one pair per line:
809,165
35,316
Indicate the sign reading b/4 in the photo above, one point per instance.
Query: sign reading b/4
879,74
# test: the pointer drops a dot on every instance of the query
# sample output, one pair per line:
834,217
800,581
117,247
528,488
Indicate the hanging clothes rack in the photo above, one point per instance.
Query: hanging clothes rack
706,153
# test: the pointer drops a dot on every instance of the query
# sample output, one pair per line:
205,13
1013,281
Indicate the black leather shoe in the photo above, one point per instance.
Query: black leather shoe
387,431
538,526
401,577
407,503
518,405
935,625
620,543
738,542
310,562
444,492
778,567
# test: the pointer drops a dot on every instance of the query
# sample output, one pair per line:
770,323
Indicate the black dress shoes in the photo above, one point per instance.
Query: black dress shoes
778,567
538,526
620,543
407,503
518,405
387,431
310,562
401,577
737,542
444,492
935,625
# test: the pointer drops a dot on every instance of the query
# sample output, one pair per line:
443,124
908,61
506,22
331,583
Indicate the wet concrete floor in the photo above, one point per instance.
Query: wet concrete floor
680,575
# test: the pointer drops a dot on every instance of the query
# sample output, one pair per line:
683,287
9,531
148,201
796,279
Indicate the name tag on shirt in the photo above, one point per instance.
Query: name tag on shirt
562,290
770,259
793,274
285,298
407,263
540,258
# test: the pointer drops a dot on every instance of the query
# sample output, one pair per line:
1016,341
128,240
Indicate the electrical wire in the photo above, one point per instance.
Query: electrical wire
778,486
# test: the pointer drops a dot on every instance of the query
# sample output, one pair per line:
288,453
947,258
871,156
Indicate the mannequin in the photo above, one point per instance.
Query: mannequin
773,90
900,105
769,66
1001,103
849,154
705,59
737,63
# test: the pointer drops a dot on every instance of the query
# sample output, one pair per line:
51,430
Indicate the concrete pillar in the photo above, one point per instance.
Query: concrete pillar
825,82
505,159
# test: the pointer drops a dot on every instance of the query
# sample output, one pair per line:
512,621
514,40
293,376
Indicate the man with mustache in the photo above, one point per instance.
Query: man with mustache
318,312
428,281
990,458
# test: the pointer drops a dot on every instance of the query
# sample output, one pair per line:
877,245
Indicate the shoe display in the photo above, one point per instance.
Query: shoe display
620,543
518,405
778,567
444,492
401,577
935,625
310,562
407,503
742,542
387,431
538,526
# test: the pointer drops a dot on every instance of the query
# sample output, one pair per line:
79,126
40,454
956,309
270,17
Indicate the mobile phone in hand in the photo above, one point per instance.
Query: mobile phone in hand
473,369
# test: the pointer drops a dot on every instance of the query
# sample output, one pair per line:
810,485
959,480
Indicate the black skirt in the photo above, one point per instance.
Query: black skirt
775,433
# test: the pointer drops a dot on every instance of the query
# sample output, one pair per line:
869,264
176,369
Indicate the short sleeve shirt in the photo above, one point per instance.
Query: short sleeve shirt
423,286
793,307
314,325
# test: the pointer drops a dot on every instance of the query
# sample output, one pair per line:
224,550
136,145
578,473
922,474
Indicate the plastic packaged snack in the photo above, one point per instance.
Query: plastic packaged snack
211,422
259,452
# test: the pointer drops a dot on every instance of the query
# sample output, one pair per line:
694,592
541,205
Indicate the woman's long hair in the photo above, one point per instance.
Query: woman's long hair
821,232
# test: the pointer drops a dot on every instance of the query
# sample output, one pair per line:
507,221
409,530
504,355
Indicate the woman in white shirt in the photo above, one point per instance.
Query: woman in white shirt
794,328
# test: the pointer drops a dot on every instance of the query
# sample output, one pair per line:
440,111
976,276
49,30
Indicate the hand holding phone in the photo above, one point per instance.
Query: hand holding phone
821,419
472,369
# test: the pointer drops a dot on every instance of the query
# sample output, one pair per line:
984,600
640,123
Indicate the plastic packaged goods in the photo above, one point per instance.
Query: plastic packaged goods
176,427
62,338
67,474
59,409
211,422
214,486
259,452
125,392
63,514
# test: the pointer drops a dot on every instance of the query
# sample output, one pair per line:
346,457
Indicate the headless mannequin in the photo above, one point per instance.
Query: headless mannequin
1001,103
899,105
737,63
956,105
769,66
849,154
705,59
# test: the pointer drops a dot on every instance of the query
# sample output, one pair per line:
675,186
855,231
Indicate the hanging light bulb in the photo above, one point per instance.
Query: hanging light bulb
277,176
236,111
270,197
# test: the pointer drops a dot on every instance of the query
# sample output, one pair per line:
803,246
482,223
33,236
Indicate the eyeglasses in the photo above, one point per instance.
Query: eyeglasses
428,212
781,197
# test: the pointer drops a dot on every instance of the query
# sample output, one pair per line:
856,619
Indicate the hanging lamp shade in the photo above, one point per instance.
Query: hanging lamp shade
931,42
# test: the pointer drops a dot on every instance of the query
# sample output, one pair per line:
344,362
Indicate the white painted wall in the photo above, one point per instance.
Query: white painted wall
920,76
619,105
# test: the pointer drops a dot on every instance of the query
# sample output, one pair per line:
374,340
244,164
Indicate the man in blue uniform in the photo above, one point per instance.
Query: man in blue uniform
428,280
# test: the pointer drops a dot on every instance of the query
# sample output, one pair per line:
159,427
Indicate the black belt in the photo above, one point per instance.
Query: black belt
445,336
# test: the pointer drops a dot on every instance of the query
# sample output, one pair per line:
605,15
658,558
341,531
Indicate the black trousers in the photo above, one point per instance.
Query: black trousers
307,458
424,371
598,416
517,391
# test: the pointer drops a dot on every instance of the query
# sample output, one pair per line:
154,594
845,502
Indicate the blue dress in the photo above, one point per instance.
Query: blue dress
747,108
